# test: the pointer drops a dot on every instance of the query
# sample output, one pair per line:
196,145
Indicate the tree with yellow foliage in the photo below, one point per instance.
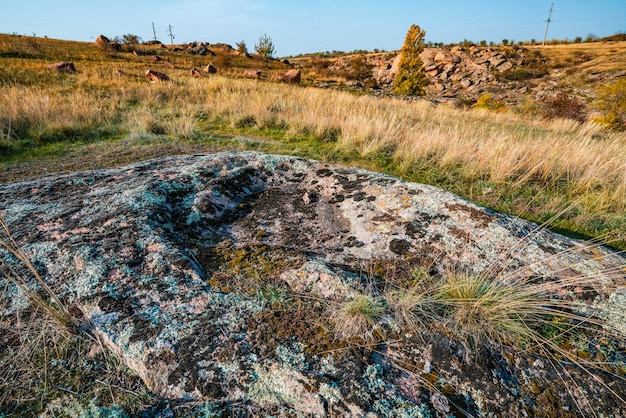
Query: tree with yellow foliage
411,77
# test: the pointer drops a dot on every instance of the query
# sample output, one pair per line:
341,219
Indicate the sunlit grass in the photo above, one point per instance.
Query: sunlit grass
511,162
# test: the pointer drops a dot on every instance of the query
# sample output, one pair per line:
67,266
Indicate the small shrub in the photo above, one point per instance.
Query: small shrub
611,101
242,47
521,74
360,69
245,122
463,103
329,134
564,106
486,101
265,47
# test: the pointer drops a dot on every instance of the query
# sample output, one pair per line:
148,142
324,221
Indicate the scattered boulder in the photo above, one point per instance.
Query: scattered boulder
63,67
286,62
505,66
252,74
292,76
202,50
194,72
155,76
210,69
102,42
169,65
466,82
224,47
157,58
395,66
438,87
447,57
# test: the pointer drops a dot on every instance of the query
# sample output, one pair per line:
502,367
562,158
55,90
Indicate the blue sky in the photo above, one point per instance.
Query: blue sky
299,26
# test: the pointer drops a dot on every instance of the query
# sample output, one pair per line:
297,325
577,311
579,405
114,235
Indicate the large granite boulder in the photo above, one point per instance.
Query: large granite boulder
212,276
292,76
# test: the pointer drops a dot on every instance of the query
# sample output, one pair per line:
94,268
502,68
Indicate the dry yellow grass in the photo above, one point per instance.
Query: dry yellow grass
494,146
584,167
599,56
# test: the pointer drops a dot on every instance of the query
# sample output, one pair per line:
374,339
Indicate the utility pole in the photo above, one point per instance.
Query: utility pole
547,25
154,31
169,32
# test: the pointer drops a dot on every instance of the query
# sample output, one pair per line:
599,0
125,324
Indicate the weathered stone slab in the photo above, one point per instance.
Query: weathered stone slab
137,249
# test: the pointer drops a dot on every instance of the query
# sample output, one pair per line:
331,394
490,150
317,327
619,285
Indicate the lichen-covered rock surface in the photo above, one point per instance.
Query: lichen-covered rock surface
212,276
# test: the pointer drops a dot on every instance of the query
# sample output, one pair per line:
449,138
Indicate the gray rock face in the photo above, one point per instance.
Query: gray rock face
162,257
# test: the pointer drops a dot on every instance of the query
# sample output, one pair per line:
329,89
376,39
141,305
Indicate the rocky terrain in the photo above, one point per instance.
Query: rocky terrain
512,74
215,278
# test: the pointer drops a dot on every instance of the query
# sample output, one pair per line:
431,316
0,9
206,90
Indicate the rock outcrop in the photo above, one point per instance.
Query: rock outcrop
187,267
252,74
454,71
155,76
63,67
210,69
292,76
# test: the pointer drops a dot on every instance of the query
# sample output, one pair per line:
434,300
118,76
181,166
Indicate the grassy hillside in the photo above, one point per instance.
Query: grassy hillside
569,174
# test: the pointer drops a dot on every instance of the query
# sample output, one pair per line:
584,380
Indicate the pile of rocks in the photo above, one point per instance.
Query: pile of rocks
451,71
466,69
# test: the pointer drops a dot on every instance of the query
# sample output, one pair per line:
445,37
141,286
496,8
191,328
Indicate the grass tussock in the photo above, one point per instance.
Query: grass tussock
39,294
569,322
356,318
519,309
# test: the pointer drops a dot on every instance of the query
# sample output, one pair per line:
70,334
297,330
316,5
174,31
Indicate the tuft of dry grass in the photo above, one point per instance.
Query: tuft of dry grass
44,299
355,318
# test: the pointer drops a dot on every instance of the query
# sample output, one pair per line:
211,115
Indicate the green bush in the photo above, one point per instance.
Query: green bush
265,47
521,74
486,101
360,69
611,101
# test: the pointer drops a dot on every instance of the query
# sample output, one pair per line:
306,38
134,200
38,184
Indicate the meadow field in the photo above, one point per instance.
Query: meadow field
569,174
